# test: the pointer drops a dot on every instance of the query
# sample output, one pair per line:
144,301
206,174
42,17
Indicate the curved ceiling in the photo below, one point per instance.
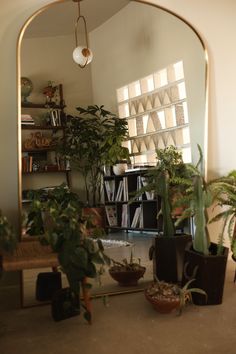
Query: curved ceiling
59,19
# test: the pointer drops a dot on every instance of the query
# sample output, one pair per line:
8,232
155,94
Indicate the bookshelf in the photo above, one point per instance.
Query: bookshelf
140,214
42,164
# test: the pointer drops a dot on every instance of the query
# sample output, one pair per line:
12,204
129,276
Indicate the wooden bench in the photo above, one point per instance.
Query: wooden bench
29,255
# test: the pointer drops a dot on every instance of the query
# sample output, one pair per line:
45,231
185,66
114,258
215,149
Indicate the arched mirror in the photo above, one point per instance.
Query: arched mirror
149,66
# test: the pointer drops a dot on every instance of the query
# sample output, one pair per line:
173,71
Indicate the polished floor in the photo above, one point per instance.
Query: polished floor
128,324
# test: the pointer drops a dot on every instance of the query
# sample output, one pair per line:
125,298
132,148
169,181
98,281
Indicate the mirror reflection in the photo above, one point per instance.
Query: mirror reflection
148,67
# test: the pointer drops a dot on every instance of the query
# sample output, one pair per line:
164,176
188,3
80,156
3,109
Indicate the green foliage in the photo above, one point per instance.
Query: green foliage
64,229
163,180
185,294
93,140
8,240
197,199
224,192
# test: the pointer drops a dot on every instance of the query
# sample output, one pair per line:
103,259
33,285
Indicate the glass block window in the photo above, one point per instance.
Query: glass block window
157,114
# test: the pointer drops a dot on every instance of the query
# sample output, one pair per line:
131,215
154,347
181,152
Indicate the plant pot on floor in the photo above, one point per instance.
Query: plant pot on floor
163,296
127,277
168,257
208,272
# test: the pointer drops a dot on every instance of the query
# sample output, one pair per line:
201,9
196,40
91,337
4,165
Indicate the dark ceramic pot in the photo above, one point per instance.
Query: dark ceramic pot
208,272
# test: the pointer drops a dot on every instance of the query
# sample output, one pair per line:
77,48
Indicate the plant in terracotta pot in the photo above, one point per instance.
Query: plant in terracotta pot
166,297
126,273
93,139
202,259
164,181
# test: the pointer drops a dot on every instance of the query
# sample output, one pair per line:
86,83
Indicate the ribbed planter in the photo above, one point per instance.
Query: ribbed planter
168,257
209,272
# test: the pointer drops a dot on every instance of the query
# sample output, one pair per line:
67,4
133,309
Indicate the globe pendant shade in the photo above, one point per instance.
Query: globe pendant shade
82,55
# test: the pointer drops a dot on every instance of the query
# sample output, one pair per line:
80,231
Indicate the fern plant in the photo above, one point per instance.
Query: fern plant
224,191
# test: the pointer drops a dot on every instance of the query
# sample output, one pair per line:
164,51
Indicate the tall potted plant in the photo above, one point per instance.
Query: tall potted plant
168,248
64,229
202,261
94,140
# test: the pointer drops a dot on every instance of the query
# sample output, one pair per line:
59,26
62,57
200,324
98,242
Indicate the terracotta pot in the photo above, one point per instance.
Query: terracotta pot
164,305
128,277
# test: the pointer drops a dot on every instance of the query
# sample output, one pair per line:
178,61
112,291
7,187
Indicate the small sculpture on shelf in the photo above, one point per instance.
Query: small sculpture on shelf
50,92
26,88
38,141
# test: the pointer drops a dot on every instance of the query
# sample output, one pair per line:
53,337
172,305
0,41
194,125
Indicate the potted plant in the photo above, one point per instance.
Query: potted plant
166,297
126,273
202,261
65,231
169,245
224,196
8,240
93,139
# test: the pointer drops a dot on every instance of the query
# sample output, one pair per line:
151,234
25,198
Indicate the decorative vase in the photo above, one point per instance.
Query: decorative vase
26,88
119,168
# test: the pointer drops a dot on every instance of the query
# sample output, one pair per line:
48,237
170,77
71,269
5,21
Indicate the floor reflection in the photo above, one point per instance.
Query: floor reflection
139,243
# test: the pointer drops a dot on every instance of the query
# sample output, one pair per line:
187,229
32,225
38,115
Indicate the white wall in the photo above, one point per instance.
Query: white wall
215,20
50,59
140,40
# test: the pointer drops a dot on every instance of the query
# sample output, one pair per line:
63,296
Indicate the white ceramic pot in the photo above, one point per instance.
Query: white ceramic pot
119,168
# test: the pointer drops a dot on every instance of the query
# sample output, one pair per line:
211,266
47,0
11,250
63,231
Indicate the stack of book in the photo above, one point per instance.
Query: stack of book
26,119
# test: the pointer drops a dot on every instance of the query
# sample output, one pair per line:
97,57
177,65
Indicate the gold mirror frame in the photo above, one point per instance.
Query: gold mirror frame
21,34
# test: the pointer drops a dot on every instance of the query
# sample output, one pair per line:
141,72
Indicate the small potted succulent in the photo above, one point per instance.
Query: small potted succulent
126,273
166,297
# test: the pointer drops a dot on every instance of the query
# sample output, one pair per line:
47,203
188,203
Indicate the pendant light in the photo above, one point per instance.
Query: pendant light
82,54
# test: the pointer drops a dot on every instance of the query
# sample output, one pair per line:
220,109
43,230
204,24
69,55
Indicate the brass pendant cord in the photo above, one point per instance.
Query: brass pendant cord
80,17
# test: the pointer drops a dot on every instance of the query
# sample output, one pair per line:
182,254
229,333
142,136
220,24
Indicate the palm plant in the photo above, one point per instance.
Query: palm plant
224,190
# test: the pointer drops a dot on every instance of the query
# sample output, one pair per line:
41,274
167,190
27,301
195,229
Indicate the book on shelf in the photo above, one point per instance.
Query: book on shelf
139,186
27,162
125,189
27,119
55,117
110,190
119,192
124,216
111,215
149,194
136,217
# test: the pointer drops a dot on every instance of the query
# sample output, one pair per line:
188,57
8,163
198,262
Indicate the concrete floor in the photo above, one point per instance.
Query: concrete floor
128,325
